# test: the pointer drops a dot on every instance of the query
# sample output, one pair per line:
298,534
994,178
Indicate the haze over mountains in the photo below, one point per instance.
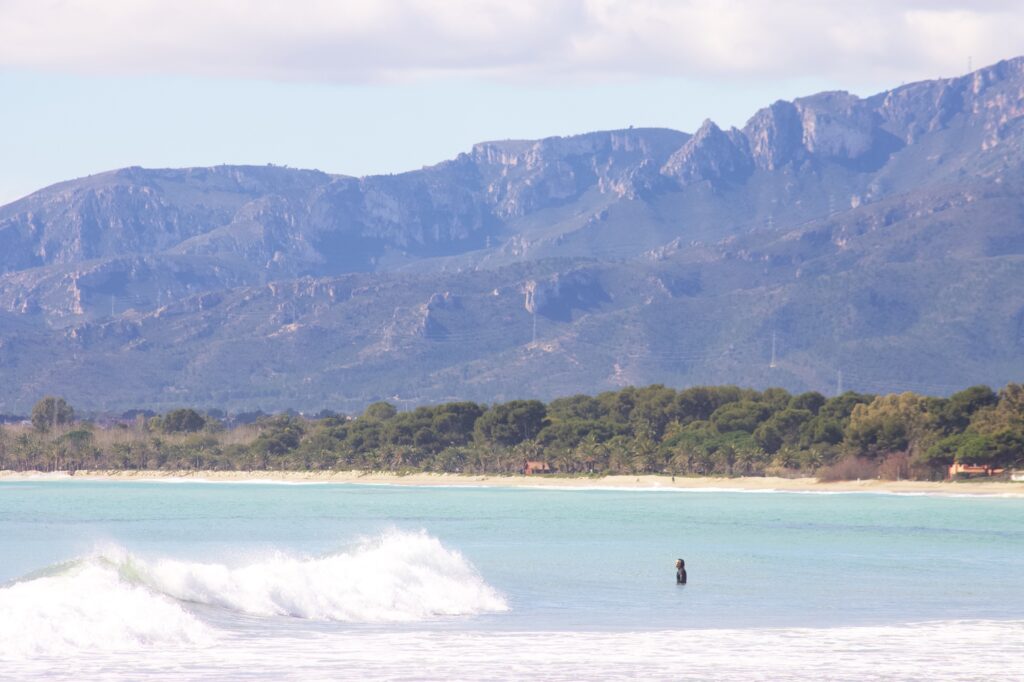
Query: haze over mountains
880,238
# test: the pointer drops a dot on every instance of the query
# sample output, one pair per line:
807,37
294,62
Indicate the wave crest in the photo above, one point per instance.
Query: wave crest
116,600
398,577
87,605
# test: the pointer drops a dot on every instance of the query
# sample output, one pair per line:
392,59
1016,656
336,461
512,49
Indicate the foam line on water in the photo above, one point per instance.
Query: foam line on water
745,491
938,650
84,478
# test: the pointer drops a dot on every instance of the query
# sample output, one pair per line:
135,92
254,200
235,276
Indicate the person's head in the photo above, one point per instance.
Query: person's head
679,563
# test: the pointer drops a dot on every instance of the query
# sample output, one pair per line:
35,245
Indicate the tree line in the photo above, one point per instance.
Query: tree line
699,431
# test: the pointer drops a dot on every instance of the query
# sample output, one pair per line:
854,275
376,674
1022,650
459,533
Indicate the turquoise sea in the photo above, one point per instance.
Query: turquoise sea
168,580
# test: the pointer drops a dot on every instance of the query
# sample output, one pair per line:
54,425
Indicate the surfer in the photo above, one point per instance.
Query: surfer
680,572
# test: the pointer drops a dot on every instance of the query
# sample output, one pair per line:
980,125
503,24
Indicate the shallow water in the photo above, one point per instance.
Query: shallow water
165,580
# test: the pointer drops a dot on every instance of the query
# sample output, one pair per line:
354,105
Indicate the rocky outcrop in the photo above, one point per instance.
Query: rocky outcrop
524,177
775,135
713,155
989,99
558,296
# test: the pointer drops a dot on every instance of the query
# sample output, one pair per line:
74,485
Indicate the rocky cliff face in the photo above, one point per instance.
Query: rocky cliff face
307,222
640,254
712,155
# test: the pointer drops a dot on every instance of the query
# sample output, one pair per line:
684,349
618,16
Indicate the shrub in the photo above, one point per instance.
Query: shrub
182,421
895,467
849,468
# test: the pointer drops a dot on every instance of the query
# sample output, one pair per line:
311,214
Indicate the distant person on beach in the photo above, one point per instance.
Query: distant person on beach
680,572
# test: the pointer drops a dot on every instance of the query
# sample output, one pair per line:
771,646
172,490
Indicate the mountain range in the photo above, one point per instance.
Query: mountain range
832,243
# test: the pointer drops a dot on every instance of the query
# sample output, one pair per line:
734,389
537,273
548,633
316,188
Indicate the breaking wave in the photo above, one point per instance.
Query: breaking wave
115,600
398,577
90,605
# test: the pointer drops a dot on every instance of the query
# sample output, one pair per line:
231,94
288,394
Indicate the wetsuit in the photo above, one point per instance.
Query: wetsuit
680,576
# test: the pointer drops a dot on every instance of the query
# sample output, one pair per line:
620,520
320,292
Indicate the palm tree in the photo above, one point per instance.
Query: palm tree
682,461
643,456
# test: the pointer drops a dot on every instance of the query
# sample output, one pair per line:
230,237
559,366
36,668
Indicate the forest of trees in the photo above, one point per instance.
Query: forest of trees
700,431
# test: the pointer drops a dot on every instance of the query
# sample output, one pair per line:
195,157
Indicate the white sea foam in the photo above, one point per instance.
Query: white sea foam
89,605
114,600
932,650
398,577
745,491
940,650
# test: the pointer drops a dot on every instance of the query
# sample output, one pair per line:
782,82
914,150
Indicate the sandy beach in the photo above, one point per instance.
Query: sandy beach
751,484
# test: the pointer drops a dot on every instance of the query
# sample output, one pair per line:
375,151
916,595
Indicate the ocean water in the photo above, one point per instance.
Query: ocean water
270,581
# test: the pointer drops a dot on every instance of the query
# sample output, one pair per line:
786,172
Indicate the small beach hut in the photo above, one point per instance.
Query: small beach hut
973,470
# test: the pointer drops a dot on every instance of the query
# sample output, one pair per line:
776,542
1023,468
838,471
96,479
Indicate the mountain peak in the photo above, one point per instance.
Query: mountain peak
711,154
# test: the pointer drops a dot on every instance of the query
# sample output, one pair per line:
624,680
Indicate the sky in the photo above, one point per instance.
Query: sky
376,86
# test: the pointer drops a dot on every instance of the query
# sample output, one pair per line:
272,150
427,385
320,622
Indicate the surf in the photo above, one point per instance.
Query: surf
395,577
114,599
89,605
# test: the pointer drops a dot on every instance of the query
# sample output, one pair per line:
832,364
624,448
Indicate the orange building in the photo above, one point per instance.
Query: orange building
973,469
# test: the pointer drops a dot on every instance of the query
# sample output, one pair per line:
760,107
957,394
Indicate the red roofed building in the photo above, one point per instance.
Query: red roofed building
958,468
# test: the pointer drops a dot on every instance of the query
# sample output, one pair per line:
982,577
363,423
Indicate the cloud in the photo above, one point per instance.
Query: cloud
357,41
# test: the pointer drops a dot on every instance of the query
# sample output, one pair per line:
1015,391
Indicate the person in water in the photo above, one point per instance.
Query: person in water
680,572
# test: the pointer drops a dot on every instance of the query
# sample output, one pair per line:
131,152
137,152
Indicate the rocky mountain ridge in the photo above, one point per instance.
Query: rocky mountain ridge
542,267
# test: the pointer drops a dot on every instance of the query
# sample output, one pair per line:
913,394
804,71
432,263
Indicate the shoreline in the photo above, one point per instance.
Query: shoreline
644,482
